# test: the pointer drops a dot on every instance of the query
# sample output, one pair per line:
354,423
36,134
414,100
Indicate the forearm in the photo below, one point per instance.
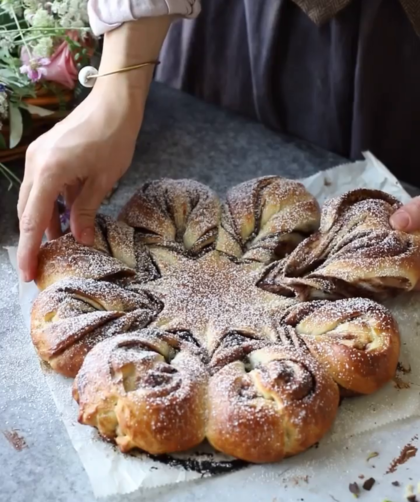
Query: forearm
132,43
134,32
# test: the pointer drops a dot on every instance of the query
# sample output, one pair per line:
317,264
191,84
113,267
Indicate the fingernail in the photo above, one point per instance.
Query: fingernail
87,236
400,220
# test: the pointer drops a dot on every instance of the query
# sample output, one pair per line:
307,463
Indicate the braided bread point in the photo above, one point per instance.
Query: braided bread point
355,252
145,390
276,404
73,315
356,340
113,255
266,218
183,215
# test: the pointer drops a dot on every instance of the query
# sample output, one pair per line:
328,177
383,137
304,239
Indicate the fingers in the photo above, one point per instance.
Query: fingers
70,194
35,219
54,227
82,217
407,218
27,183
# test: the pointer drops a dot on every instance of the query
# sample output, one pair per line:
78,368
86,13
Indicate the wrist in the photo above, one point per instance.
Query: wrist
131,44
122,96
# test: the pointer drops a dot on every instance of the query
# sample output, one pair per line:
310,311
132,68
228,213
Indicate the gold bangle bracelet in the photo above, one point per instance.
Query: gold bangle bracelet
123,70
89,74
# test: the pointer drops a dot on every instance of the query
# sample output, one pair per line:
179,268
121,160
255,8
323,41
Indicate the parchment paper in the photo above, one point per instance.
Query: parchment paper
112,473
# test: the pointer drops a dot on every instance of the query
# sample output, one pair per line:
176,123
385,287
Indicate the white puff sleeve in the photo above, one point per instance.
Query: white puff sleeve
106,15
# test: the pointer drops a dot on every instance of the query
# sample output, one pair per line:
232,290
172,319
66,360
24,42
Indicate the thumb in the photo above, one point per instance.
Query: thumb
83,212
407,218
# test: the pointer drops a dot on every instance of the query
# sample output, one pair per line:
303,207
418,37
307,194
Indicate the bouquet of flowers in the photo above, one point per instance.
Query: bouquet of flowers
42,46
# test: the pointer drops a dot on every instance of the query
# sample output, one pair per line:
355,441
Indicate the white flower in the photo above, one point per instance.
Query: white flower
6,41
72,13
35,4
59,7
42,19
43,48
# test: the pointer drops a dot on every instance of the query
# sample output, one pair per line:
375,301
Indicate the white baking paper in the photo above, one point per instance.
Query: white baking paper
111,472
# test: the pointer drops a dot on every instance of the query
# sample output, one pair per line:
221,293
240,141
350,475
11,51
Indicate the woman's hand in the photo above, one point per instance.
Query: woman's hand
81,157
85,154
407,218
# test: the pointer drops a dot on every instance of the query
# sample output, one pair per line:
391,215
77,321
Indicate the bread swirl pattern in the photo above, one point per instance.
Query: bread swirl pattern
185,321
147,390
357,340
178,214
354,253
266,218
73,315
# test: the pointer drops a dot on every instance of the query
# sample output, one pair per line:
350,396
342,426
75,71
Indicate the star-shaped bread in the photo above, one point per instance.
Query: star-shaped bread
239,323
212,296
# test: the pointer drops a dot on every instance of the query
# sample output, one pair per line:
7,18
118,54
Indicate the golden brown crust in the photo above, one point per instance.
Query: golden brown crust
266,218
255,372
72,316
146,390
355,339
179,214
276,404
114,255
355,253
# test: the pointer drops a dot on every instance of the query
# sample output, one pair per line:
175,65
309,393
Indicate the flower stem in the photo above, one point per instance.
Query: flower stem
20,32
56,28
9,175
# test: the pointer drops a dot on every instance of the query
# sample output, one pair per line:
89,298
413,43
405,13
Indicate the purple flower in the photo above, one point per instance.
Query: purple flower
35,68
65,221
64,213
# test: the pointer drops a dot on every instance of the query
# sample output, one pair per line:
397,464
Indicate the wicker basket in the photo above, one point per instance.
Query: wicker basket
60,102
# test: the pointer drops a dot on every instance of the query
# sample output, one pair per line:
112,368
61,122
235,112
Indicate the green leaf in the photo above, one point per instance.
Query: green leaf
38,110
16,126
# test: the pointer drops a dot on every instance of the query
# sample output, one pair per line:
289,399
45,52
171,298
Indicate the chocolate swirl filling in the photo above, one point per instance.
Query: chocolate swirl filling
355,253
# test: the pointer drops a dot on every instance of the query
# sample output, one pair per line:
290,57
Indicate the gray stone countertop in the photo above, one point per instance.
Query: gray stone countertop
181,137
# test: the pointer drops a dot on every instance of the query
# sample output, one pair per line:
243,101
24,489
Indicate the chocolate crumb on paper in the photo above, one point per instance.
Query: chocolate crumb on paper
368,484
409,493
401,384
15,439
354,489
409,451
200,463
404,368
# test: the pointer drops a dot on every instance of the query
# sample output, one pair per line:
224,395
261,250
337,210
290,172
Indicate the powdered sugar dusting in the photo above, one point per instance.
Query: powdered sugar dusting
177,213
355,247
202,298
214,296
266,218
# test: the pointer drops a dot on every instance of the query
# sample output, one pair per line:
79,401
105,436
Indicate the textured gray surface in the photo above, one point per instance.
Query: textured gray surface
180,138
